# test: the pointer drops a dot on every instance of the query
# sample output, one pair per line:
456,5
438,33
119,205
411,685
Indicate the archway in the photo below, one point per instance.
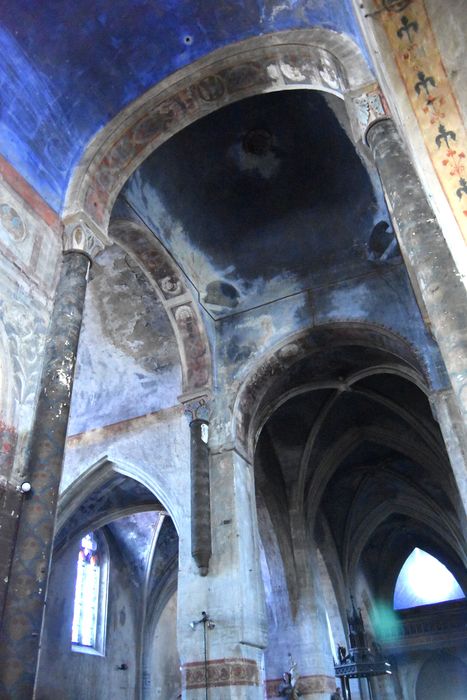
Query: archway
314,59
138,549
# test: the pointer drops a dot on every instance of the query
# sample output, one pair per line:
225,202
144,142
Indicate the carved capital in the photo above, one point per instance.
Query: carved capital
197,408
366,107
81,236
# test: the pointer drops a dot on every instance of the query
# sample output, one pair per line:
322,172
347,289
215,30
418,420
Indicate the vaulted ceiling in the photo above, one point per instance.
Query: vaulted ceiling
356,449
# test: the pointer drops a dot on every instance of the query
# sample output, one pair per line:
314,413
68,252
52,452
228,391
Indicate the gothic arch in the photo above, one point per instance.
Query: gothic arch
76,514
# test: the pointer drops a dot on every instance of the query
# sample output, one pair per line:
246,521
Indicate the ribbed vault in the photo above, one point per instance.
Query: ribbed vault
346,438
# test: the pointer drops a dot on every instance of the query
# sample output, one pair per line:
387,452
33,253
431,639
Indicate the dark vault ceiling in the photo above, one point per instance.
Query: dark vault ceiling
260,200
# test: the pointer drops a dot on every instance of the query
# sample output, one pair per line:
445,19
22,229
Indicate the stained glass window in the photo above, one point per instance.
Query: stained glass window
86,605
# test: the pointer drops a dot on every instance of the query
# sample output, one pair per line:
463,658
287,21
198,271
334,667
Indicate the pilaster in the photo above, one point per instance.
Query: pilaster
231,593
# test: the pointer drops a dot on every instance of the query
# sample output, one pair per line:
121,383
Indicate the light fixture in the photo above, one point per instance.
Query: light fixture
25,487
205,620
208,624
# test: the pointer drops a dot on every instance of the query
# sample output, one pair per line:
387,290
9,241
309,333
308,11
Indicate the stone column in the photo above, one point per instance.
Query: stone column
430,265
453,428
25,600
197,411
304,635
231,593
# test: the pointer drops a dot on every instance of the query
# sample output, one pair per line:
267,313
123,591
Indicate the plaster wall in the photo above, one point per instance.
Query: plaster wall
411,665
68,675
153,449
30,250
128,362
164,658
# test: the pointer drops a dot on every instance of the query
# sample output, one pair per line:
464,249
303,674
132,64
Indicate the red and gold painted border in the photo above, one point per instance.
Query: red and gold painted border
221,672
307,685
28,194
409,31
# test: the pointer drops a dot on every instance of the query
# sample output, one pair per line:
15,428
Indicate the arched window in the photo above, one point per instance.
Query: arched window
90,596
424,580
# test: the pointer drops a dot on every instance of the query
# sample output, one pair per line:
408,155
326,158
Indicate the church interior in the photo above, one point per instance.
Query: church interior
233,350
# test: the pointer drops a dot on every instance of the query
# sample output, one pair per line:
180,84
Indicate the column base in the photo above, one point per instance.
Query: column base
227,679
310,687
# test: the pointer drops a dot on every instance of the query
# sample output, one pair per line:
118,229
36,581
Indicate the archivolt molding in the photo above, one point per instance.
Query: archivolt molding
250,414
315,59
174,293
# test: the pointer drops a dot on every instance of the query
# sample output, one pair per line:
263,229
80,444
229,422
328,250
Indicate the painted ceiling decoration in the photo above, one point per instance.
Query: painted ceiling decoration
68,74
410,34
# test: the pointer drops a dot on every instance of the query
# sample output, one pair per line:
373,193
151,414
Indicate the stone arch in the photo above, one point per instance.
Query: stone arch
316,59
76,515
255,392
173,290
160,594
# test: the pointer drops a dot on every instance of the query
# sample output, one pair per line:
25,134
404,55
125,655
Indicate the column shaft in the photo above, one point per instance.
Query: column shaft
436,280
24,609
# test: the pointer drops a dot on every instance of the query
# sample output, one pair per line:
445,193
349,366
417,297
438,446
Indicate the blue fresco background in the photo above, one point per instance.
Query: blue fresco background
67,68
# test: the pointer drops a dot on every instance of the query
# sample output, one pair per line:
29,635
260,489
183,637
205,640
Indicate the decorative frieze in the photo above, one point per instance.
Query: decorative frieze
220,672
184,316
416,54
307,685
272,68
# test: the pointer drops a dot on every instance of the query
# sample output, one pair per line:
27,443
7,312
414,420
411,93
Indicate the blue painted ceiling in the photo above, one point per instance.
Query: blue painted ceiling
69,67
